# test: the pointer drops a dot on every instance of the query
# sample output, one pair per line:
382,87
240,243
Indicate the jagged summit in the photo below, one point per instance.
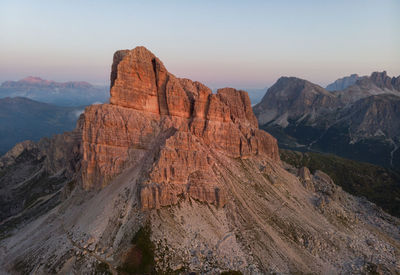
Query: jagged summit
146,102
375,84
295,98
352,122
377,80
383,81
189,174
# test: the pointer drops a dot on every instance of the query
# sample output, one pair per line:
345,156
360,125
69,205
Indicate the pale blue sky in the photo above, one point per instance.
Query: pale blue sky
220,43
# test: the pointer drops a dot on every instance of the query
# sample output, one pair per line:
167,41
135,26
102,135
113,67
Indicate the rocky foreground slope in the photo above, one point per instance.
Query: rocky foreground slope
172,178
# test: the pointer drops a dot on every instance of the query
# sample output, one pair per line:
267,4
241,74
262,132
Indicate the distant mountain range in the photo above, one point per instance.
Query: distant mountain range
62,94
25,119
378,80
361,121
170,178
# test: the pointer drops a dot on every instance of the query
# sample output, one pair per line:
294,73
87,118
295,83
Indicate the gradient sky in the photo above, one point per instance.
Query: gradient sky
220,43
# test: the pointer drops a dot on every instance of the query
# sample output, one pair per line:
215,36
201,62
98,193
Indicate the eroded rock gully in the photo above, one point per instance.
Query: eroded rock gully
193,166
146,100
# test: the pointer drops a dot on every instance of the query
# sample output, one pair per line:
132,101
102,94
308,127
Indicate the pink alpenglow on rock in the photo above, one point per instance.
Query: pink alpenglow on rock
173,126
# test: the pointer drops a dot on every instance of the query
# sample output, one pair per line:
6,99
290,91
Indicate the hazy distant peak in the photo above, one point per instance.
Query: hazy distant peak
34,80
40,82
342,83
72,93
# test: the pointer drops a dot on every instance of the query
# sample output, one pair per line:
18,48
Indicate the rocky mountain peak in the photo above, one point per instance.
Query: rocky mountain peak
291,98
383,81
170,125
378,76
34,79
342,83
304,114
293,86
187,173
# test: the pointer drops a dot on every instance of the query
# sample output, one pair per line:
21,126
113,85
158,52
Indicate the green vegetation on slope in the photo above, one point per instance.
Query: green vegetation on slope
140,258
231,272
377,184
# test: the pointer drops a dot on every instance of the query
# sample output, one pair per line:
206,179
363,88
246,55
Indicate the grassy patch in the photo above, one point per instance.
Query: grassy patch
140,258
102,269
231,272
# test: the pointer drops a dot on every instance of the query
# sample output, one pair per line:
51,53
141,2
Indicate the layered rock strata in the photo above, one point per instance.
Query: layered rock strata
146,103
202,150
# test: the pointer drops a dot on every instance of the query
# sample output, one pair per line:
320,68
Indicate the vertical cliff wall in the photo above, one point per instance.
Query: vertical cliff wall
177,121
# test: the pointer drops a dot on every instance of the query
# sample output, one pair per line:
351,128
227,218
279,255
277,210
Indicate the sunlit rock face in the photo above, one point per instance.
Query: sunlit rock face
173,124
164,141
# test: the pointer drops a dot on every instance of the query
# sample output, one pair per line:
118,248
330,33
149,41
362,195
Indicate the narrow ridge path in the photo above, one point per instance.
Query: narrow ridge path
396,147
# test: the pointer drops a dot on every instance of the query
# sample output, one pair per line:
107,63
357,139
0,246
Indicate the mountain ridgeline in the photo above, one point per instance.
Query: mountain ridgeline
170,178
360,122
62,94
